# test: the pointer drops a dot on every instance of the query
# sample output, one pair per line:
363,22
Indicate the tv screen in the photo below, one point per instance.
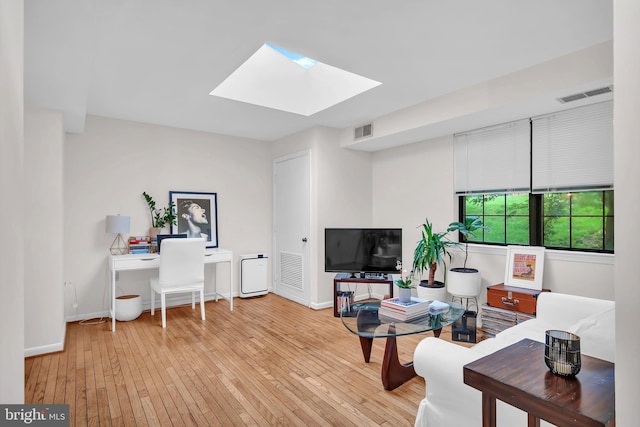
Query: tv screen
368,250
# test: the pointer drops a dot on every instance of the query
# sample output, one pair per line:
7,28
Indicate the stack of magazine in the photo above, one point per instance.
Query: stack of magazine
404,311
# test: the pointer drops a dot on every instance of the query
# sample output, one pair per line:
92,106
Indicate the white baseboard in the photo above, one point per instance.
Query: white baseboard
172,301
49,348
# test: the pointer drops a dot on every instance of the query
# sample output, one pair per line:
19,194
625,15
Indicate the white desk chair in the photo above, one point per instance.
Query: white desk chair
181,270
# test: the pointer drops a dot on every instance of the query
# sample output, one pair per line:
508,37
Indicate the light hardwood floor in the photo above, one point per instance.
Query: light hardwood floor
269,362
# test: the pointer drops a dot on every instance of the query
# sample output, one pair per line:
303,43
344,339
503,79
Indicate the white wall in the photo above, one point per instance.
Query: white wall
12,212
340,196
44,324
344,198
109,166
627,206
420,179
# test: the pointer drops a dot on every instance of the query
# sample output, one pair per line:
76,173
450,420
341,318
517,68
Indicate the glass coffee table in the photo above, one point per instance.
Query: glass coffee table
363,320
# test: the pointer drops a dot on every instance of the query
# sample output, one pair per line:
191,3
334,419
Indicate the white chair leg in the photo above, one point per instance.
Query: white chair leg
193,300
202,304
153,300
164,310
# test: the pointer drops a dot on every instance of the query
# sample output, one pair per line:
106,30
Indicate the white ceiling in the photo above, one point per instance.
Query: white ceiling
156,61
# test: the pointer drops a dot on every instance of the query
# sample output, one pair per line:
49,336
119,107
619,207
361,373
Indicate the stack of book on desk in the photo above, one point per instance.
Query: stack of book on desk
139,245
404,311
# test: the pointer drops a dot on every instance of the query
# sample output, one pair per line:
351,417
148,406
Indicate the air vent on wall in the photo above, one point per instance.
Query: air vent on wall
363,131
586,94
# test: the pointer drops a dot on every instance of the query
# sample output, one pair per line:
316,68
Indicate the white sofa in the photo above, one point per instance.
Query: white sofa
450,402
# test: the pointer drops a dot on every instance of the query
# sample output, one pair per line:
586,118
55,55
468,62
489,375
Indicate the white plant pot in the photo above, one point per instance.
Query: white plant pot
404,294
464,284
432,294
128,307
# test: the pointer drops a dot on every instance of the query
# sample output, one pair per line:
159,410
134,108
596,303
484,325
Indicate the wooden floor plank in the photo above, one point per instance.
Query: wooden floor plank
269,362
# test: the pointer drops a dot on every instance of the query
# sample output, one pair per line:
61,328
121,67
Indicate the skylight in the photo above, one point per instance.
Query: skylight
303,61
276,78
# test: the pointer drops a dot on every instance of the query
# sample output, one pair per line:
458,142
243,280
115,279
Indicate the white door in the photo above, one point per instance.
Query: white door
292,225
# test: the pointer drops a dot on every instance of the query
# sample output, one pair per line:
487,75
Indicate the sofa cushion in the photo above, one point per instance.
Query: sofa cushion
597,334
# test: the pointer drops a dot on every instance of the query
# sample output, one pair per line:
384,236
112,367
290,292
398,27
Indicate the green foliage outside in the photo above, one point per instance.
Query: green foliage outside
582,221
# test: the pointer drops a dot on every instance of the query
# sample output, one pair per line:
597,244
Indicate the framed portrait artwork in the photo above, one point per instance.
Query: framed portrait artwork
525,265
196,215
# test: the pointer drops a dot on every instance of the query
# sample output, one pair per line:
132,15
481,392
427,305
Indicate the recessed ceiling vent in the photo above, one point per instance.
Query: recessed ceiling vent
363,131
587,94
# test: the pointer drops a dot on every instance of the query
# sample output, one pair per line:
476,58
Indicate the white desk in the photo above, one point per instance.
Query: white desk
152,261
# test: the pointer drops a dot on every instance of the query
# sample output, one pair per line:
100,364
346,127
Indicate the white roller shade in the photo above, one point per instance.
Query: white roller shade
573,149
493,160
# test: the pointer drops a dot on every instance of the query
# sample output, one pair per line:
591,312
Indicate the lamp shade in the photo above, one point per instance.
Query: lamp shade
117,224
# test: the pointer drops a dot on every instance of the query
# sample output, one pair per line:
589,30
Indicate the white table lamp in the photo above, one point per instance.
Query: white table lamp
118,224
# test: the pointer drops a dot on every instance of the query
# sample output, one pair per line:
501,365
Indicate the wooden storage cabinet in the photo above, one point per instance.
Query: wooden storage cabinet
346,279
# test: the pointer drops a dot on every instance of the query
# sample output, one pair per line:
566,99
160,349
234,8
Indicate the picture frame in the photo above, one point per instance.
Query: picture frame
525,267
196,215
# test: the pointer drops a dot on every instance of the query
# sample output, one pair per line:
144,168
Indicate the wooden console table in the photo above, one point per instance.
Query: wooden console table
518,376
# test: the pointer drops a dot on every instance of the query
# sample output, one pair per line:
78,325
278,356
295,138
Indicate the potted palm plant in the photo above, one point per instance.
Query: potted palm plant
432,250
159,218
465,282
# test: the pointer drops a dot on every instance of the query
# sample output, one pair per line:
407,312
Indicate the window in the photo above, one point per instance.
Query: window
571,221
546,181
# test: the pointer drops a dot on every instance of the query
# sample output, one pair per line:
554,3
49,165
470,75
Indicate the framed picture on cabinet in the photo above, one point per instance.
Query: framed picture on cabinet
196,215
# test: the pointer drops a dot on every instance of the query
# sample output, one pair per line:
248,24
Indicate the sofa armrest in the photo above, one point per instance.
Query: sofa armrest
441,363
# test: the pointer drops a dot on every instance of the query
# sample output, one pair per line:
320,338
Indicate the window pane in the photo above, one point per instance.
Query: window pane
517,230
496,224
518,204
473,206
586,233
556,232
608,203
589,203
556,204
608,234
494,204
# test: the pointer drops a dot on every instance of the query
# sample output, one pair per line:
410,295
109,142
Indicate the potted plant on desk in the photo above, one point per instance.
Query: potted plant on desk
159,218
432,249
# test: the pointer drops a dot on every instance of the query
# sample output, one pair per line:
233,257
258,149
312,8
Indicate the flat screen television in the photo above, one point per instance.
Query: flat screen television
362,250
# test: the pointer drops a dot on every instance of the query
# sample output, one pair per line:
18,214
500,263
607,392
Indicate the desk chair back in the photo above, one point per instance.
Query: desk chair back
181,270
181,263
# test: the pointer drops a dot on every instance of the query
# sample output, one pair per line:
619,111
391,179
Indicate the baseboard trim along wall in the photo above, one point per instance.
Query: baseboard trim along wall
50,348
172,301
